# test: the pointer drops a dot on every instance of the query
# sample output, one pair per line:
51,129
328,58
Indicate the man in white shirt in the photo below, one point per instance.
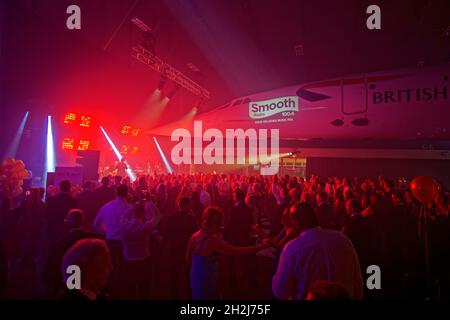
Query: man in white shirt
108,223
317,254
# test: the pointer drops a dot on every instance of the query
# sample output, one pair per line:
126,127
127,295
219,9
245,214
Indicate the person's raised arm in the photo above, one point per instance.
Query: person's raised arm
225,248
189,251
290,234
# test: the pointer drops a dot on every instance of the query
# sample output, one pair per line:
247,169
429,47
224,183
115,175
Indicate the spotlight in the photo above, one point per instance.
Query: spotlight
166,163
50,154
12,152
130,172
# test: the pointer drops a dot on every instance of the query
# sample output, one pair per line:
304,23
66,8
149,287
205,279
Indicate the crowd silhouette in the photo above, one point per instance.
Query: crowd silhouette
224,236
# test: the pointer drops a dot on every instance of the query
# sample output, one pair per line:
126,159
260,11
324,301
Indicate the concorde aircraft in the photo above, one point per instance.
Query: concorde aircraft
396,105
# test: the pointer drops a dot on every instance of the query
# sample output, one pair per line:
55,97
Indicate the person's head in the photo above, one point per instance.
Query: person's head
348,195
353,206
93,258
138,211
122,191
142,181
303,217
374,199
212,219
117,180
327,290
74,218
295,194
184,204
238,195
321,197
105,181
65,186
195,196
409,197
397,198
251,200
88,185
388,185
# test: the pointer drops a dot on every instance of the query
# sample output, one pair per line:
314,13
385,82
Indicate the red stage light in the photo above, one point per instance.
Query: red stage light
135,132
68,144
69,117
135,150
125,130
83,144
85,121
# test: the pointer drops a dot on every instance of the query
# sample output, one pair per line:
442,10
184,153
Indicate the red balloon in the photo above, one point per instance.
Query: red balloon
424,189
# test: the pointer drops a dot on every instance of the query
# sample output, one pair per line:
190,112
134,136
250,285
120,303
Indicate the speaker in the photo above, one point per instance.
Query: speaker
89,161
50,179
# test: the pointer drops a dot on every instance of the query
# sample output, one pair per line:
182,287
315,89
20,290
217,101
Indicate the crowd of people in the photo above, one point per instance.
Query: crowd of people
199,236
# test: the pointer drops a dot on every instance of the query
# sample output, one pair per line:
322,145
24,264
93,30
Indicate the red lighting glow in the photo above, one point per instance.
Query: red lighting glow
68,144
70,117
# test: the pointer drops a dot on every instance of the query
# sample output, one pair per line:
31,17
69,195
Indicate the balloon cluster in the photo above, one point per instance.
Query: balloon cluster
425,189
12,173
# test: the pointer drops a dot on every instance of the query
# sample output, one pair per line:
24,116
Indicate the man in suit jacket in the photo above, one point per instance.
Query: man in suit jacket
359,231
237,232
103,195
57,208
176,230
87,203
51,273
324,212
239,222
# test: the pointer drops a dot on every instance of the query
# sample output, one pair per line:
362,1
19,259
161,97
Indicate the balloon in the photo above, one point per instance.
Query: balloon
20,164
424,189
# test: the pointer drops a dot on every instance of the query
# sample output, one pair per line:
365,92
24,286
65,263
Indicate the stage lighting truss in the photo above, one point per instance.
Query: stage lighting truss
158,65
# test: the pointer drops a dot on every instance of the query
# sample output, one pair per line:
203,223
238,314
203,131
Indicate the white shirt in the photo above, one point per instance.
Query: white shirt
317,254
136,236
109,218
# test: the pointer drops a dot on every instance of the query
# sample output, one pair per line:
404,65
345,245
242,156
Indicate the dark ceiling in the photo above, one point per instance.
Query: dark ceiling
240,46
